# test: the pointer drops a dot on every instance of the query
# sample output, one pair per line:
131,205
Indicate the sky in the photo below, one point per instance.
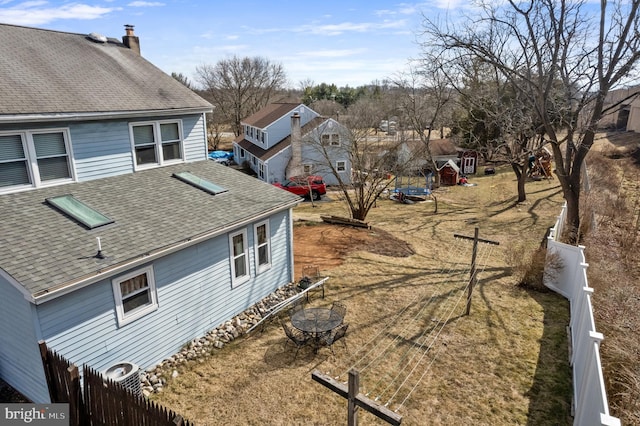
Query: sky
342,42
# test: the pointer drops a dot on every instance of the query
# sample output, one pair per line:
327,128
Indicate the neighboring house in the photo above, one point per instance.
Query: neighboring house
442,151
288,139
625,110
119,240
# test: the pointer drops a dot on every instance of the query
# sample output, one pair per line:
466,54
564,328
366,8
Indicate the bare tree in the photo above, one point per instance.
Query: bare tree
239,87
549,46
482,124
423,100
371,160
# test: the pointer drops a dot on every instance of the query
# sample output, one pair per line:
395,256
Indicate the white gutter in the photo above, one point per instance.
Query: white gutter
70,286
85,116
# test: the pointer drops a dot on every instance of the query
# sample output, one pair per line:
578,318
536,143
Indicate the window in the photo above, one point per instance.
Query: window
307,168
341,166
135,295
242,153
332,139
34,158
156,143
239,258
263,246
76,209
261,170
200,183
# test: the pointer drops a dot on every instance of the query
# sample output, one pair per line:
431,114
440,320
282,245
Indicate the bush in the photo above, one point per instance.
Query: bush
528,267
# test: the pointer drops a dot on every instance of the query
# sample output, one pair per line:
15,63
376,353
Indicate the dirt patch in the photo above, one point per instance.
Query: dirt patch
325,246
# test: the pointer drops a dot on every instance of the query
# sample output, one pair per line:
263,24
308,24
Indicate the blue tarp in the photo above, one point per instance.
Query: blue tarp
221,154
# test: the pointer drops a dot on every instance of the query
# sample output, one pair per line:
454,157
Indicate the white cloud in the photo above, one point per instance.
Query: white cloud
38,12
145,4
346,27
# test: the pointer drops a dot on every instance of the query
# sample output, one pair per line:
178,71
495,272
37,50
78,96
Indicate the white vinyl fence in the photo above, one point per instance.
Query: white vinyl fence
589,396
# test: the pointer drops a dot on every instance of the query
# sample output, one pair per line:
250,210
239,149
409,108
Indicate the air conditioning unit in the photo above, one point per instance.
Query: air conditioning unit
127,374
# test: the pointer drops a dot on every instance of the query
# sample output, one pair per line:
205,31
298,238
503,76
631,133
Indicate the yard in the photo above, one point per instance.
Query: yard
403,283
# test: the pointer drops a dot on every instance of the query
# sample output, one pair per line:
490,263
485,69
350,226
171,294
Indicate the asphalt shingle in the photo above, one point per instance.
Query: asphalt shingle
52,72
43,249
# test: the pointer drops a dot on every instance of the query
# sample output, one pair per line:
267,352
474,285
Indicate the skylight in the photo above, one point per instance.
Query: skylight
198,182
79,211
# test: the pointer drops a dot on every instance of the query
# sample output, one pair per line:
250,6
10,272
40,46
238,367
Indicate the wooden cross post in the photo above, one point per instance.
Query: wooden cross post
356,399
473,276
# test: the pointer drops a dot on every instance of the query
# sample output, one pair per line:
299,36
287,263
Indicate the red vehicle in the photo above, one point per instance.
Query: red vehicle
307,187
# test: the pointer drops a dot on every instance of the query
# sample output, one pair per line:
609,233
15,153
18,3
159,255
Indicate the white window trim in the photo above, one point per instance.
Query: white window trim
158,143
261,268
307,168
338,166
124,319
236,281
32,160
334,139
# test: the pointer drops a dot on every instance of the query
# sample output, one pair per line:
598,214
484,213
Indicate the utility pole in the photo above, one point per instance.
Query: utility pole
473,279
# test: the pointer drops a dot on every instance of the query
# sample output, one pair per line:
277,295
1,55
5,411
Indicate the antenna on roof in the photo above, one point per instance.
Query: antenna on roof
98,37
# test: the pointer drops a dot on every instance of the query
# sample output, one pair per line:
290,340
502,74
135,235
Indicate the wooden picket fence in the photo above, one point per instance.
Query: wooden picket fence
100,401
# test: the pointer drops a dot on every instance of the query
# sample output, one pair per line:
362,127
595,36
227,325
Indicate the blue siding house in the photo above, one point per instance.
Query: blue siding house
119,240
288,139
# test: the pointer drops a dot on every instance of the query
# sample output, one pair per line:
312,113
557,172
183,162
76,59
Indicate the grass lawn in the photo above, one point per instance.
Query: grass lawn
506,363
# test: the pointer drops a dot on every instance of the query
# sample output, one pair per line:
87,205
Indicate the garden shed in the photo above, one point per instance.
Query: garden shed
469,162
449,173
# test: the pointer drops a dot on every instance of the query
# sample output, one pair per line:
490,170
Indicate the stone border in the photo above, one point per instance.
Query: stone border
154,379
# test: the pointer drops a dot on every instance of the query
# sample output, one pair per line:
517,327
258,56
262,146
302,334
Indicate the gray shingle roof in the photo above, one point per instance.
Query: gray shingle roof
44,250
269,114
52,72
265,154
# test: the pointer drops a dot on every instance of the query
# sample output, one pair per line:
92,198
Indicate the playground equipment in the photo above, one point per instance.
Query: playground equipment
410,189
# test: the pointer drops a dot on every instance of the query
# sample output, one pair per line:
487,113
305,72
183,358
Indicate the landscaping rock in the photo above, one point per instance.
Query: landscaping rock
152,380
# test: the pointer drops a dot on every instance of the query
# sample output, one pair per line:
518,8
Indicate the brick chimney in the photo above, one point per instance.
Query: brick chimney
130,39
295,166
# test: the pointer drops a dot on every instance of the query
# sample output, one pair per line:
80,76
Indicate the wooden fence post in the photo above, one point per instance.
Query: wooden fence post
44,354
76,407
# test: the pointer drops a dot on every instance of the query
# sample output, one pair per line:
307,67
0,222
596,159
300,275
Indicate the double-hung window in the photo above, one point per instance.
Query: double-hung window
330,139
34,158
239,258
156,143
341,166
262,246
135,295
